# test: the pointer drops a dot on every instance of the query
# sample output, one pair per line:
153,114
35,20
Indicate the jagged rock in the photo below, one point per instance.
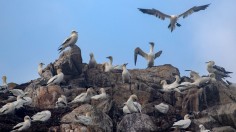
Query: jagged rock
70,62
224,129
136,123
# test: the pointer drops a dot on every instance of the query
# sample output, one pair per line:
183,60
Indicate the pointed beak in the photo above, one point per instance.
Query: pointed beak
207,62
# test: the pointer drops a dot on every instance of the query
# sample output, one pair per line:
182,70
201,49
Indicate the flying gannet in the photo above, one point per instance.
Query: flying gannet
61,101
23,125
8,108
183,124
126,77
217,70
83,97
84,120
69,41
4,87
41,116
150,57
173,18
163,108
57,79
203,129
102,95
40,69
131,106
92,61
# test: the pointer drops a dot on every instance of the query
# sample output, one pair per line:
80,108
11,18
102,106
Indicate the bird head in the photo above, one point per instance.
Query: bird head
74,32
134,97
163,82
4,78
41,64
152,44
125,64
27,118
211,62
91,55
109,57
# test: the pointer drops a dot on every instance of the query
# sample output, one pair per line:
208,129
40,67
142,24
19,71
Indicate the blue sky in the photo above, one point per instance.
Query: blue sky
31,31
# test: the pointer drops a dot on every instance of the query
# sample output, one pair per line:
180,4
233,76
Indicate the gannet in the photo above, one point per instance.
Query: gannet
19,102
231,85
17,92
23,125
4,87
131,106
61,101
83,97
40,69
57,79
150,57
193,75
219,71
108,65
102,95
203,129
41,116
69,41
84,120
163,108
172,86
183,123
92,61
173,18
27,101
126,77
8,108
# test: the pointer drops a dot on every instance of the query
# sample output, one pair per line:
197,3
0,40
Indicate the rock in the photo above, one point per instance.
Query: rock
136,123
224,129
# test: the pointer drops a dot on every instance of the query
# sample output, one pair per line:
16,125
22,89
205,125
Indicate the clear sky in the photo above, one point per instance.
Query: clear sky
31,32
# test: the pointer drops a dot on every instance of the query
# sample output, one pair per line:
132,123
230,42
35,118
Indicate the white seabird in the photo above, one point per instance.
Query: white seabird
27,101
83,97
57,79
131,106
8,108
172,86
183,124
41,116
217,70
108,65
126,77
19,102
150,57
193,75
203,129
70,41
61,101
231,85
40,69
102,95
84,120
173,18
23,125
4,87
92,61
17,92
163,108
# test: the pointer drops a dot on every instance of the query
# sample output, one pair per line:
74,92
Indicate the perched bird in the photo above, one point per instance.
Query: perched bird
231,85
193,75
131,106
61,101
23,125
83,97
126,77
27,101
183,124
19,102
8,108
203,129
40,69
163,108
172,86
4,87
57,79
70,41
17,92
217,70
150,57
92,61
108,65
41,116
84,120
102,95
173,18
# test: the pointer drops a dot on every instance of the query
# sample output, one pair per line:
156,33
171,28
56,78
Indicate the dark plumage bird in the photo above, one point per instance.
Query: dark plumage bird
173,18
150,57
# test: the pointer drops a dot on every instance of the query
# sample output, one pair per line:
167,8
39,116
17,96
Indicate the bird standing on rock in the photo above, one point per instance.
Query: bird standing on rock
57,79
126,77
131,106
92,61
23,125
70,41
150,57
173,18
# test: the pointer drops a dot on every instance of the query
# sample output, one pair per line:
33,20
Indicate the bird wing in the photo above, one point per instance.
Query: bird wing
52,79
137,52
155,12
18,125
192,10
182,123
158,54
137,106
222,69
65,42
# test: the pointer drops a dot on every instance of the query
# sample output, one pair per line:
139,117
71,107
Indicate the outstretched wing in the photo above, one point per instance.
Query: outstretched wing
155,12
137,52
192,10
158,54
